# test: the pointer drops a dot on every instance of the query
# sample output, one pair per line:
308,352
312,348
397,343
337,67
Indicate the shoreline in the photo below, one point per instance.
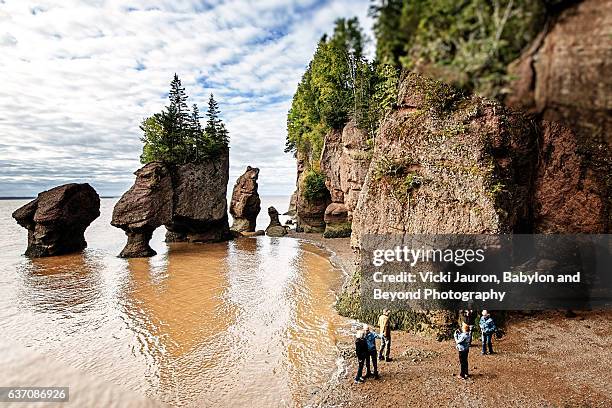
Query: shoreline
544,359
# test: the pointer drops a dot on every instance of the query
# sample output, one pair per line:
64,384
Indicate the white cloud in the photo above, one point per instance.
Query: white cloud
78,77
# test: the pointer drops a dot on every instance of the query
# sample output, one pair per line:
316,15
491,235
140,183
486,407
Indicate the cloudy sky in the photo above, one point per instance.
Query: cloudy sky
79,76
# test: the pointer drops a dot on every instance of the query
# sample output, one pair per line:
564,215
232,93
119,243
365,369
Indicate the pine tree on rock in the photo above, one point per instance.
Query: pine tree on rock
215,128
175,135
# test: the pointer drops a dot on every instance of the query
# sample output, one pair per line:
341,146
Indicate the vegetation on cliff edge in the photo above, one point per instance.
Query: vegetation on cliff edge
175,134
468,43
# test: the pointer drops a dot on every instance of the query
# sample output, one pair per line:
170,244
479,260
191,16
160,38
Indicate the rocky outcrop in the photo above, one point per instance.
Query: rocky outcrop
446,163
572,188
344,160
291,211
275,229
565,74
200,202
245,204
189,199
146,206
309,210
56,220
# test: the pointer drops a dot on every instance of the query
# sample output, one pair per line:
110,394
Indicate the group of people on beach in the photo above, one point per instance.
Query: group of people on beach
368,356
365,347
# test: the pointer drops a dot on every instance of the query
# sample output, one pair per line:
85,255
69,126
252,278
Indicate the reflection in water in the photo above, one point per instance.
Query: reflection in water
65,284
244,323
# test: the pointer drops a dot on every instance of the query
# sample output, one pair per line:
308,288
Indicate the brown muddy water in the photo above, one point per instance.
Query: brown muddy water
244,323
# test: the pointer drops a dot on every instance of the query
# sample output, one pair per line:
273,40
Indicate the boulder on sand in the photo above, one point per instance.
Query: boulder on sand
245,204
56,220
275,229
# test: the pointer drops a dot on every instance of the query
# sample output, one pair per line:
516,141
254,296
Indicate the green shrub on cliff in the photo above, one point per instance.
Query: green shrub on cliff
314,188
468,43
175,135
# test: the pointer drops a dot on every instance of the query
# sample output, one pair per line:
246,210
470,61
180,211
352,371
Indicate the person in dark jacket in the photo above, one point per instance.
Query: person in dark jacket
463,340
487,328
370,338
361,350
469,315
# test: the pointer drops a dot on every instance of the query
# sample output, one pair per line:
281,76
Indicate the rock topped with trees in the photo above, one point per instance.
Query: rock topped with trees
338,85
245,204
183,184
57,219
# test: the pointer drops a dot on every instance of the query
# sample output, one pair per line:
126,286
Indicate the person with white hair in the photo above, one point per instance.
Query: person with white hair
370,337
487,329
361,350
463,340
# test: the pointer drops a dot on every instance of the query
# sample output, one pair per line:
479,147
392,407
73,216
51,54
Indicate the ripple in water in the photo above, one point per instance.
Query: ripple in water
248,322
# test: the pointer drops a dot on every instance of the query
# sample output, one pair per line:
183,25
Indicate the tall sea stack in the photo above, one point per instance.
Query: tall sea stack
189,199
245,204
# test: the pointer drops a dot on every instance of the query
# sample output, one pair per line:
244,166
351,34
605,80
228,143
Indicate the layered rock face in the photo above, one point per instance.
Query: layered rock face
245,204
200,203
146,206
444,163
275,229
56,220
189,199
565,75
344,160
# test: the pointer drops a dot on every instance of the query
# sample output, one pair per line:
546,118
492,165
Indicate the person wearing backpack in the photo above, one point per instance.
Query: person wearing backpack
487,328
463,340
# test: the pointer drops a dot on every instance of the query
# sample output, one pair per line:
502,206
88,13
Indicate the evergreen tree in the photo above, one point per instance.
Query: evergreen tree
215,129
175,135
178,99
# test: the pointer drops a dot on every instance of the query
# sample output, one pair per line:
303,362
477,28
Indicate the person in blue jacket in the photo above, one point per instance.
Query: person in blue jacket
463,340
370,338
487,328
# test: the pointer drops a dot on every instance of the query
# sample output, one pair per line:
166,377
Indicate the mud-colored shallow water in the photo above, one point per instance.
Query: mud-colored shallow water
244,323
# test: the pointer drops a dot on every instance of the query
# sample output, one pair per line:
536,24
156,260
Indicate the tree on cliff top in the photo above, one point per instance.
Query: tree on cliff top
175,135
467,43
338,85
325,97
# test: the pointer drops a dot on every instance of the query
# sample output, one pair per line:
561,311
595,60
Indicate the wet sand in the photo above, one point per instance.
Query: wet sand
544,360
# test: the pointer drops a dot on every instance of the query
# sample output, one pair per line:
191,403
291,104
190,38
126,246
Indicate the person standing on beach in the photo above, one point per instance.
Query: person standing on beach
370,338
385,332
487,328
469,315
463,340
361,350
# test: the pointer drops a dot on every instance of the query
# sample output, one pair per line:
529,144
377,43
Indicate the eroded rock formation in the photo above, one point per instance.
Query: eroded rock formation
345,160
200,202
275,229
447,163
146,206
190,200
564,76
245,204
309,212
56,220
